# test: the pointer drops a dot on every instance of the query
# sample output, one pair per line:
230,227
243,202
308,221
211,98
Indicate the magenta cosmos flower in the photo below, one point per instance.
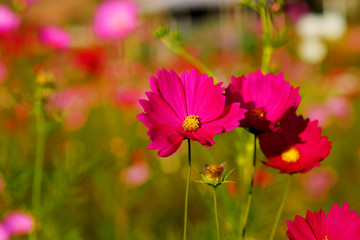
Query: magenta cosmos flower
297,147
55,37
339,224
8,20
18,223
115,19
190,106
268,98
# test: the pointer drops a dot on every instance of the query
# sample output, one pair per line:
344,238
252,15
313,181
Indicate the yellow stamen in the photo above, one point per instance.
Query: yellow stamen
326,238
291,155
191,123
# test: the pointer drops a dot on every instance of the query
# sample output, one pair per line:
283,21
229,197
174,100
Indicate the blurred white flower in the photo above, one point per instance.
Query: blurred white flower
312,50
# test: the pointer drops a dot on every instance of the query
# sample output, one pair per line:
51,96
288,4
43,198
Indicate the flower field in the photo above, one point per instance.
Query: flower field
148,120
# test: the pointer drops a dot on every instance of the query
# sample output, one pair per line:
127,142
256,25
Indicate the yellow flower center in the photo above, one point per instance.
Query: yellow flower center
291,155
191,123
326,238
257,112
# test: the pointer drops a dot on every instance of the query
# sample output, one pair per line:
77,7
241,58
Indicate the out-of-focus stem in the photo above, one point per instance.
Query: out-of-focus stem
188,57
216,215
248,205
267,36
278,215
39,160
187,189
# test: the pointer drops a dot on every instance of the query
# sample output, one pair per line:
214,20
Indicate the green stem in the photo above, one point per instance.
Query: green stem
188,57
278,215
216,214
187,189
248,205
267,37
39,160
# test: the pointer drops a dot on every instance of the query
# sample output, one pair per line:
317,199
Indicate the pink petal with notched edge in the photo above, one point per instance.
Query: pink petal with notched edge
342,224
169,86
202,97
299,229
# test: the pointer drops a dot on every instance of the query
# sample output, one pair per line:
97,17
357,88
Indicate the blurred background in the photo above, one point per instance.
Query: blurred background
74,156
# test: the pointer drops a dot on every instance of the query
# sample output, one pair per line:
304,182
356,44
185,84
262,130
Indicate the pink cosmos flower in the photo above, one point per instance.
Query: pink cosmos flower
55,37
339,224
190,106
115,19
18,223
268,99
297,147
8,20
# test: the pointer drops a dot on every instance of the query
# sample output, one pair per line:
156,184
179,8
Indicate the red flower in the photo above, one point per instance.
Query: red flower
268,98
339,224
190,106
297,147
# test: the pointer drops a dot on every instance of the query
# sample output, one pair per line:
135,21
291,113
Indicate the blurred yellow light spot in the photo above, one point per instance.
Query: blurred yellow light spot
118,147
291,155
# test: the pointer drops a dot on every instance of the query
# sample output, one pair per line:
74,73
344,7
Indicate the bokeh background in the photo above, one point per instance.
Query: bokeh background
76,91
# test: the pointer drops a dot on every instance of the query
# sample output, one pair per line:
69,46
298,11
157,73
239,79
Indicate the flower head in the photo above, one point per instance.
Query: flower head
18,223
8,20
55,37
4,234
297,147
268,99
214,175
339,224
115,19
190,106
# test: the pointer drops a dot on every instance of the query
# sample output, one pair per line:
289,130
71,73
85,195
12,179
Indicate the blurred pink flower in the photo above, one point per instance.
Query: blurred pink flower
137,174
186,107
318,182
4,234
18,223
115,19
55,37
268,99
126,98
9,21
321,113
339,106
340,224
295,10
73,105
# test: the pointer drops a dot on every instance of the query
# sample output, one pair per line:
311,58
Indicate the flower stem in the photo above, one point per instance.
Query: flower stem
248,205
216,214
278,215
39,160
187,189
267,36
188,57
